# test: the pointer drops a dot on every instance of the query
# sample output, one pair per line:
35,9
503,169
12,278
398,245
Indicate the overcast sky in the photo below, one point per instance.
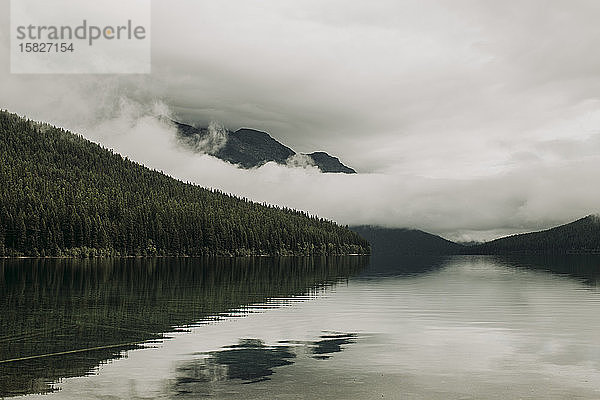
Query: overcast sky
470,119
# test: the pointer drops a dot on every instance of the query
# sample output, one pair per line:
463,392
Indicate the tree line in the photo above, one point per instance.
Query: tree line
63,195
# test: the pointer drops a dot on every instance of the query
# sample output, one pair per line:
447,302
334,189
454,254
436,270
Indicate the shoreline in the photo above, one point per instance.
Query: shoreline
206,256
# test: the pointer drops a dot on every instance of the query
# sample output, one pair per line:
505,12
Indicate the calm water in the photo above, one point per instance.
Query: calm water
328,328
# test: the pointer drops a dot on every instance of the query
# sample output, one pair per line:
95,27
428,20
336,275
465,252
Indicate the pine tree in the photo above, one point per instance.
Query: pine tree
62,194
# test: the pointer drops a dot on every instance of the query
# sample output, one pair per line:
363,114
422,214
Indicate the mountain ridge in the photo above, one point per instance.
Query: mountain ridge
251,148
404,241
581,236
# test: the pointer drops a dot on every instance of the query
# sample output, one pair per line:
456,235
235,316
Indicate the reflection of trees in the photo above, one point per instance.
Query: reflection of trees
583,266
57,306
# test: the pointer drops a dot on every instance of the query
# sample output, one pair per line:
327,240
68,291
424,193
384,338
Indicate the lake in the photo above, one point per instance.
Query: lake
461,327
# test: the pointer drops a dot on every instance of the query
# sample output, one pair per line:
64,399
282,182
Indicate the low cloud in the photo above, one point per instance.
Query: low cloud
210,142
474,209
463,119
300,160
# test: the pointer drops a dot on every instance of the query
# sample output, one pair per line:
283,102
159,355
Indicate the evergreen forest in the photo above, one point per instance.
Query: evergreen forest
62,195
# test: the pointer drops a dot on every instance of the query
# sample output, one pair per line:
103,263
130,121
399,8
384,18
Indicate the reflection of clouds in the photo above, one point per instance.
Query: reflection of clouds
476,315
115,311
475,327
472,328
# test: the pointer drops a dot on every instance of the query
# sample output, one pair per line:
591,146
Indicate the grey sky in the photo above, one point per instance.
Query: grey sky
466,118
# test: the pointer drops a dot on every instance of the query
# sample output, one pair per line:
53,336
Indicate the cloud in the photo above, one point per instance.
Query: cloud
300,160
471,119
458,209
211,142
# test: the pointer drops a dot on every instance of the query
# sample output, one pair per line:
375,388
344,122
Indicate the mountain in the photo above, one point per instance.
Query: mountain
578,237
327,163
581,236
64,195
406,241
250,148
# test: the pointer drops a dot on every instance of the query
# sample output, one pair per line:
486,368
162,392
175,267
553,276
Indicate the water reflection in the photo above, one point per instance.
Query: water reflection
435,328
331,343
583,266
393,265
249,361
62,318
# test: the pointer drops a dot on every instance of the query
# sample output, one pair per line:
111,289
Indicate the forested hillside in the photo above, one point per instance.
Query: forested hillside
63,195
399,241
578,237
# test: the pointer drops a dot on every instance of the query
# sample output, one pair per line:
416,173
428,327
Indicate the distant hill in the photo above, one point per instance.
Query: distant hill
64,195
406,241
578,237
250,148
